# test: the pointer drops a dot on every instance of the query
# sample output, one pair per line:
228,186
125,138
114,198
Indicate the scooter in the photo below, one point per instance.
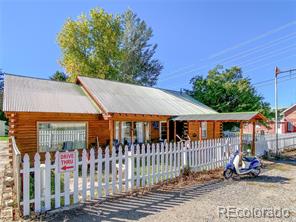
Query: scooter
250,165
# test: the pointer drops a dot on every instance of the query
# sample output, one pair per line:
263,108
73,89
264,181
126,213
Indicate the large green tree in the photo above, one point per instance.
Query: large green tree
138,65
90,45
109,46
227,90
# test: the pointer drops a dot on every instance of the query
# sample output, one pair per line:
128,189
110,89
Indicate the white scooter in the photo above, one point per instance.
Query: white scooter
250,165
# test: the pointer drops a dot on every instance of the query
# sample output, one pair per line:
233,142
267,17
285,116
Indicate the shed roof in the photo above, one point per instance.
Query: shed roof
26,94
223,117
117,97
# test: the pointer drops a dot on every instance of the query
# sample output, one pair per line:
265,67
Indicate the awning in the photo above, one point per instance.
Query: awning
222,117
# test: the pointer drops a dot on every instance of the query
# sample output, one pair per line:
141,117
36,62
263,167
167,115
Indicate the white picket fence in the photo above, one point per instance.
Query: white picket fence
268,143
52,139
101,175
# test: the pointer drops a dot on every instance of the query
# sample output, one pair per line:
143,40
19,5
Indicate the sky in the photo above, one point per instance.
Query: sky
192,37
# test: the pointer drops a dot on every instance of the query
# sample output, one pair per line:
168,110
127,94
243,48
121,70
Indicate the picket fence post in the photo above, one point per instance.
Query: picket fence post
37,186
184,151
143,165
107,165
92,173
148,165
153,164
162,161
26,185
76,192
157,163
47,191
100,172
57,187
120,169
127,164
84,174
113,171
132,166
138,167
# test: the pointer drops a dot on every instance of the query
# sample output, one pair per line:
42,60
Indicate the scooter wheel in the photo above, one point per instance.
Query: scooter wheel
227,174
256,172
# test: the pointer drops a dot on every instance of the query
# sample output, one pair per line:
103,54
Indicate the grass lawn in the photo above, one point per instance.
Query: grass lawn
3,138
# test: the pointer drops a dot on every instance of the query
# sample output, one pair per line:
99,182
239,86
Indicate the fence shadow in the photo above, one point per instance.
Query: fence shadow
135,207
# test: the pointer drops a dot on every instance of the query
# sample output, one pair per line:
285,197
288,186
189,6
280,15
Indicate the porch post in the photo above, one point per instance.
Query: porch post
168,130
111,134
200,132
175,130
132,132
214,130
241,136
253,148
120,133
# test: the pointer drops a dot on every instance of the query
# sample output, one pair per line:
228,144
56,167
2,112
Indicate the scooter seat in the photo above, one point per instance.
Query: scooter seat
248,159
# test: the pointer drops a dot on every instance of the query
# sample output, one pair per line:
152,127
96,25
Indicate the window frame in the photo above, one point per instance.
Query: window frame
206,130
290,127
63,121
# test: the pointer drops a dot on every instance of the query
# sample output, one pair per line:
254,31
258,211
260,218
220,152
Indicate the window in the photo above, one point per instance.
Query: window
204,130
290,127
163,130
126,132
138,132
117,127
147,132
141,132
59,136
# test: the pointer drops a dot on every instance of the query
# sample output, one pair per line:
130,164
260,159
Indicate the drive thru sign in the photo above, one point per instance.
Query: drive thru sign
67,161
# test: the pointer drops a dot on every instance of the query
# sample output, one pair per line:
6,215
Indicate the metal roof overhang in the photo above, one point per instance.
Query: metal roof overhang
223,117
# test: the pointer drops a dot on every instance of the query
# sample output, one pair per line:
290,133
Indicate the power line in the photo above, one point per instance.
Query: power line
236,57
268,55
258,37
239,45
270,81
272,53
268,64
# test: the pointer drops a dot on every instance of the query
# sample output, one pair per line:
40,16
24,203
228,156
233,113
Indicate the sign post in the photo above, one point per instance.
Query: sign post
67,161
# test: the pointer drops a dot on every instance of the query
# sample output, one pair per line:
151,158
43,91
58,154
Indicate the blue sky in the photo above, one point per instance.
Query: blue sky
192,37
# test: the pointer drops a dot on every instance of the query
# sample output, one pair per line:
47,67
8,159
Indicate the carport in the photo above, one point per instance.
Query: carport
241,117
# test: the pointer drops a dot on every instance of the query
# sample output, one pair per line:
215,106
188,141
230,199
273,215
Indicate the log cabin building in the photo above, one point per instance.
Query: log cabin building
46,115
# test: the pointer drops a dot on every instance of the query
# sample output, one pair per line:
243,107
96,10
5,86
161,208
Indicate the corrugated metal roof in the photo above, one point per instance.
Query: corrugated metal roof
25,94
240,116
116,97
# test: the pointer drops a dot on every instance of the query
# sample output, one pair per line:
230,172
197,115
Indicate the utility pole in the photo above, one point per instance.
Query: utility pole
276,73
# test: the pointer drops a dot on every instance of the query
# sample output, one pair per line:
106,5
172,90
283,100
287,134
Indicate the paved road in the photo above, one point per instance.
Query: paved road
275,188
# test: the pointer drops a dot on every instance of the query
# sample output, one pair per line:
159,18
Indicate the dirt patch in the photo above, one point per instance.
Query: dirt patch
189,178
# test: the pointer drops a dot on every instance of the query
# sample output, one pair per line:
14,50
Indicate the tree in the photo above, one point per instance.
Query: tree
227,90
1,80
2,115
109,46
90,45
138,65
59,76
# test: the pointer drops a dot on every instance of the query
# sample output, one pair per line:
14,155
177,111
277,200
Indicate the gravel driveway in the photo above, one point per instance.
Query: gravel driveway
275,189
